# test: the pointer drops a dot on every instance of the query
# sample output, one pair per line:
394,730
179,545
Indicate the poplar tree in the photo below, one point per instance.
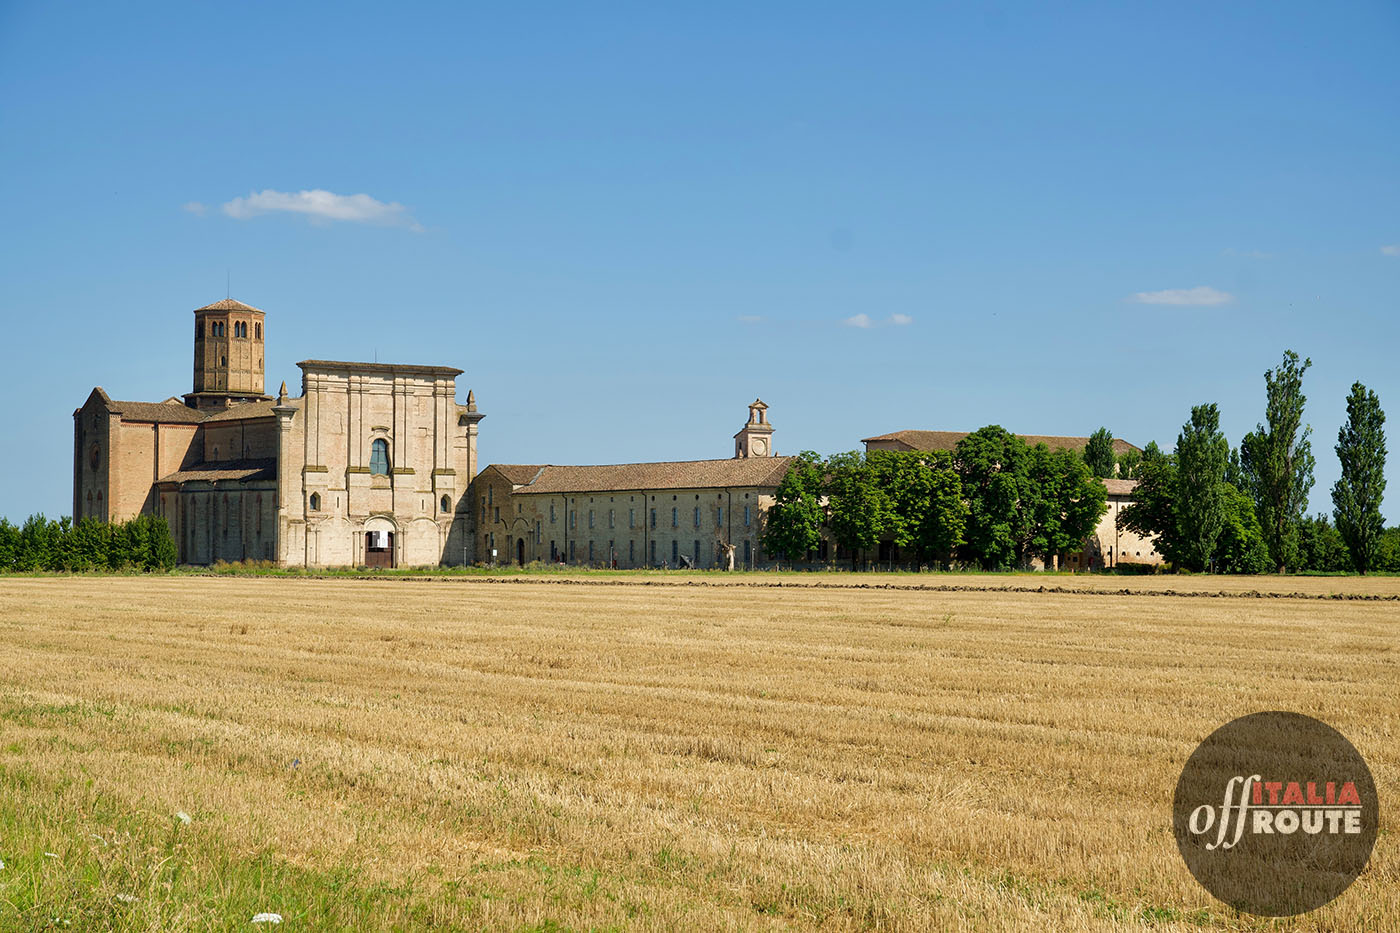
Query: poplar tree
1199,502
1277,461
1098,454
1356,498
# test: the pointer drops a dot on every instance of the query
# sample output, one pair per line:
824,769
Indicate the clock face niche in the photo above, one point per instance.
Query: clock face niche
760,446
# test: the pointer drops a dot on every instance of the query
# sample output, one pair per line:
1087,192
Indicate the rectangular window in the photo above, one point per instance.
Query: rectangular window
610,518
697,516
675,552
573,518
590,552
653,522
675,518
746,516
653,550
590,518
748,554
631,518
496,512
631,552
695,552
491,495
571,550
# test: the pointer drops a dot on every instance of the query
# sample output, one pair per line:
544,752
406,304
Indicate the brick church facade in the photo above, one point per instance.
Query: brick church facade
369,465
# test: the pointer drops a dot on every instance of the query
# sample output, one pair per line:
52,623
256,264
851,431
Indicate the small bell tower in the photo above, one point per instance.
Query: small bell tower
228,355
756,437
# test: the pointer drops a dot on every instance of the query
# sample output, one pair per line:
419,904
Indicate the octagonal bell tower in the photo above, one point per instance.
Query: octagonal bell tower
228,355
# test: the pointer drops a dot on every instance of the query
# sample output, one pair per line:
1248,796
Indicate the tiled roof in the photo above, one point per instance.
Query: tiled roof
1120,487
244,410
517,474
681,474
157,412
244,470
947,440
229,304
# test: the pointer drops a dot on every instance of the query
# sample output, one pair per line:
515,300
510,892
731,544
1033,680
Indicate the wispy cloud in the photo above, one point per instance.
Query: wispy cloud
1391,250
323,207
750,318
194,207
1201,295
866,322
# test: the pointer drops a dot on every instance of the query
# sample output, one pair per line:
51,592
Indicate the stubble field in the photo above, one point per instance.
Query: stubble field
184,753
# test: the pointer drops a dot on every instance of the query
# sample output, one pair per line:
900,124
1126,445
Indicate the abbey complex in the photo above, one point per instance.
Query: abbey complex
375,464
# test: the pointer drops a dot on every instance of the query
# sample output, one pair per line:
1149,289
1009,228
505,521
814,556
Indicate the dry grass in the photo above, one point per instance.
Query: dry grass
362,754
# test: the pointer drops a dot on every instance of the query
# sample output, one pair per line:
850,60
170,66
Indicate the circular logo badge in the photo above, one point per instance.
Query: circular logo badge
1275,813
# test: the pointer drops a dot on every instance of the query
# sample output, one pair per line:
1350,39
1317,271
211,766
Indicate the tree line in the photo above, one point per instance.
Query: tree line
1213,507
994,502
141,543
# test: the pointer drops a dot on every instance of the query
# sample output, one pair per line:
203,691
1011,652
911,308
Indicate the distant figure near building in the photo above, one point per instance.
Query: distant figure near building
368,466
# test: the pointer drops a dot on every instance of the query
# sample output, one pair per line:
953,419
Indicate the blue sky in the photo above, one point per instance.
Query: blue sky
624,221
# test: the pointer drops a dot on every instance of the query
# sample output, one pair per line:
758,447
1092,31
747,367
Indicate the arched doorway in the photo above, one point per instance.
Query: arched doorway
520,551
380,535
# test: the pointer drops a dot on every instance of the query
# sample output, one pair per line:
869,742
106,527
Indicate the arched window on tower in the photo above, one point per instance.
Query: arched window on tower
379,457
315,502
446,504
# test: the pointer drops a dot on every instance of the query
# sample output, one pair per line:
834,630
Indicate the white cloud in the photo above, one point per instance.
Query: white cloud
1198,296
1391,250
194,207
322,206
859,320
900,320
750,318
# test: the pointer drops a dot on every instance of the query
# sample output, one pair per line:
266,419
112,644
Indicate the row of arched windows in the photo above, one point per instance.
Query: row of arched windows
240,329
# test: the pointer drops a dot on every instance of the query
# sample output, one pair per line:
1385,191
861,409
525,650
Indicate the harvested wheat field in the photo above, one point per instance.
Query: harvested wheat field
184,753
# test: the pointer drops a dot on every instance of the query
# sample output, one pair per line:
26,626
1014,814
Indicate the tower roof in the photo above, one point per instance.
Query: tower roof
229,304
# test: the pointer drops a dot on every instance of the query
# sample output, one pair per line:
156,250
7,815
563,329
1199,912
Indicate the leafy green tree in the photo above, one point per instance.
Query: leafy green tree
1320,545
1198,506
1240,547
1151,513
1152,452
39,544
1065,502
1356,497
1388,552
1129,464
860,509
1277,460
994,467
9,545
91,544
161,553
1098,453
793,524
927,512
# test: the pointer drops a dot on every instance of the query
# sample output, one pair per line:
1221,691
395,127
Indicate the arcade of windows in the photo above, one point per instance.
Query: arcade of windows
240,330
